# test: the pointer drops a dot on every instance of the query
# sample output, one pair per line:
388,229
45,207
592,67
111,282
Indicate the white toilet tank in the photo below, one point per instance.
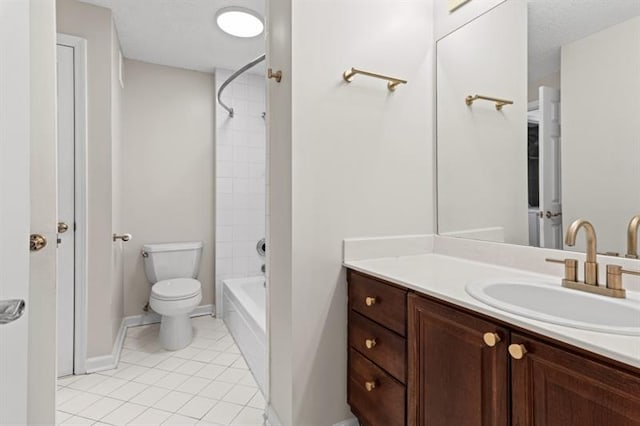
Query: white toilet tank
172,260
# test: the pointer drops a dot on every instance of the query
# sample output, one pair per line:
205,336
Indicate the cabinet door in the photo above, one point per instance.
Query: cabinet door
455,378
553,387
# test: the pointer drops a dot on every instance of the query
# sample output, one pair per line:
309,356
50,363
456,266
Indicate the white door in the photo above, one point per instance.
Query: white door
66,210
550,169
14,206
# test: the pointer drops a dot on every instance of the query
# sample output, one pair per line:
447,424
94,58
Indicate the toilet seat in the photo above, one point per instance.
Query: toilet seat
176,289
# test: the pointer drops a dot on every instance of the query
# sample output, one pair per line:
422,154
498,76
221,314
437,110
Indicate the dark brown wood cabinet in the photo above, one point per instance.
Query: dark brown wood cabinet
555,387
415,360
455,378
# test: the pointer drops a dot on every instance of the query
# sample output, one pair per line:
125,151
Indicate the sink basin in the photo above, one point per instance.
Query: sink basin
555,304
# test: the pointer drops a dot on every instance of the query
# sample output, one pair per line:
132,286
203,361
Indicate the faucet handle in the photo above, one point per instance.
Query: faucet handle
570,268
614,276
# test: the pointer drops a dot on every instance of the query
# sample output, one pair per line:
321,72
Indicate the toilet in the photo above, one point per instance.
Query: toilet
172,269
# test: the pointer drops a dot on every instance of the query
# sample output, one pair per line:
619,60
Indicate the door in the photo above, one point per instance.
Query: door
550,169
14,206
66,210
553,387
458,368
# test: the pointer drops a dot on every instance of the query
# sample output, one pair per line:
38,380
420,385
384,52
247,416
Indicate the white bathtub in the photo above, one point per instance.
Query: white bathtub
244,307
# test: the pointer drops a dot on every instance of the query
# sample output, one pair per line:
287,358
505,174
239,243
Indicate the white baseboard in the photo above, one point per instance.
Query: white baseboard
349,422
270,417
109,362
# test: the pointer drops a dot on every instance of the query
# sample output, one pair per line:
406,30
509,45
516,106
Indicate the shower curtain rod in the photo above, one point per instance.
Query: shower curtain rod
233,77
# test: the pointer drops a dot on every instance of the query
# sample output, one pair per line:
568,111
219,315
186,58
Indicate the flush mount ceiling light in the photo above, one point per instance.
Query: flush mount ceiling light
239,22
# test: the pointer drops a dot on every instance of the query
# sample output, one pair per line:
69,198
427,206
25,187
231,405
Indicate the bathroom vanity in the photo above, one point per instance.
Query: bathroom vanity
422,351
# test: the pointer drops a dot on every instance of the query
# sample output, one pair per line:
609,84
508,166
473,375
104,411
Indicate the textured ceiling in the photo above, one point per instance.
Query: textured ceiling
182,33
554,23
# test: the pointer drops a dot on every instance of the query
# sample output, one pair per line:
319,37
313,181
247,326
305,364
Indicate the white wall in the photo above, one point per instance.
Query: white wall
167,169
361,165
482,162
95,25
446,22
240,178
600,128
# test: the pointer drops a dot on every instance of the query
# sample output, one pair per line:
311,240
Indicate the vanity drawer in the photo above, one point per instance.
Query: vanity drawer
385,348
385,304
383,405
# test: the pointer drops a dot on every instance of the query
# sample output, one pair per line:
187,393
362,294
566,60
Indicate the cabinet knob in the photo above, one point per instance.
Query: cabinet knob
517,351
369,386
370,301
370,343
491,339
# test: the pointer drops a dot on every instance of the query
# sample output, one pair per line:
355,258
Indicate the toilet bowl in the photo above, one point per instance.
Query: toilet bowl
172,269
174,300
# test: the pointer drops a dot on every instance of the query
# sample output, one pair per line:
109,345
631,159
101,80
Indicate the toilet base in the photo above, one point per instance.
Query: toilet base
176,332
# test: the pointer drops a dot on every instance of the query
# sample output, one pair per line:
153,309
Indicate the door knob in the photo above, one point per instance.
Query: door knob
37,242
277,76
517,351
370,301
491,339
11,310
370,343
62,227
123,237
369,386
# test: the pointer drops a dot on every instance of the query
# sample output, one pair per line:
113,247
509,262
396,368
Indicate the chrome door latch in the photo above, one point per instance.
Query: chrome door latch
11,310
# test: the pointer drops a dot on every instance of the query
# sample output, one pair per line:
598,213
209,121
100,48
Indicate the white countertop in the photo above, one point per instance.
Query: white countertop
445,278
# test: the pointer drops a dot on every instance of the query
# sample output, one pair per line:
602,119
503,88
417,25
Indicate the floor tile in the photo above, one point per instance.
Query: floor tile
223,413
65,394
170,364
131,372
206,355
216,390
132,356
67,380
240,395
190,367
257,401
173,401
150,396
107,386
180,420
231,375
240,364
61,416
249,417
124,414
210,371
79,403
172,380
225,359
151,377
151,417
247,379
193,385
128,391
197,407
187,353
86,382
153,359
101,408
76,420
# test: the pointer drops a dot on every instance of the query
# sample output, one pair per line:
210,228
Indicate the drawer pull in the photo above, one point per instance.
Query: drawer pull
517,351
491,339
370,343
370,301
369,386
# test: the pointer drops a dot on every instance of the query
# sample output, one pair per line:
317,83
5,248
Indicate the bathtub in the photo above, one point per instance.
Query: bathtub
244,305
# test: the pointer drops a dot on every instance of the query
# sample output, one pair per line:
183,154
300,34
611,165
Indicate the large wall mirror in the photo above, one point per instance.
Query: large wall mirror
539,123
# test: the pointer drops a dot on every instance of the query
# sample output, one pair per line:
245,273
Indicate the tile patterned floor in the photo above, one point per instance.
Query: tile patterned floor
207,383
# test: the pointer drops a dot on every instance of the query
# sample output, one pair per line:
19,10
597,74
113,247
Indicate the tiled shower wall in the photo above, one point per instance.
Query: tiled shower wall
240,177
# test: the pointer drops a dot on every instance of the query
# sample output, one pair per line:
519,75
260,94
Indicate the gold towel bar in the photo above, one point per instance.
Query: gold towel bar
499,102
392,81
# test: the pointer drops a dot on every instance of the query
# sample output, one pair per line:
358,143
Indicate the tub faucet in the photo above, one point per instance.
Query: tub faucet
591,265
632,237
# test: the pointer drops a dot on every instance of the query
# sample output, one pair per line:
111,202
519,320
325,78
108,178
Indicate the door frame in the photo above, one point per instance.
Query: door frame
79,46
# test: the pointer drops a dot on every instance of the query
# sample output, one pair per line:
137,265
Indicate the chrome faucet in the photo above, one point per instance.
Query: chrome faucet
632,237
591,265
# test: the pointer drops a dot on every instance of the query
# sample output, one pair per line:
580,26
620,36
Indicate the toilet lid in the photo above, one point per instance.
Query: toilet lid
175,289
